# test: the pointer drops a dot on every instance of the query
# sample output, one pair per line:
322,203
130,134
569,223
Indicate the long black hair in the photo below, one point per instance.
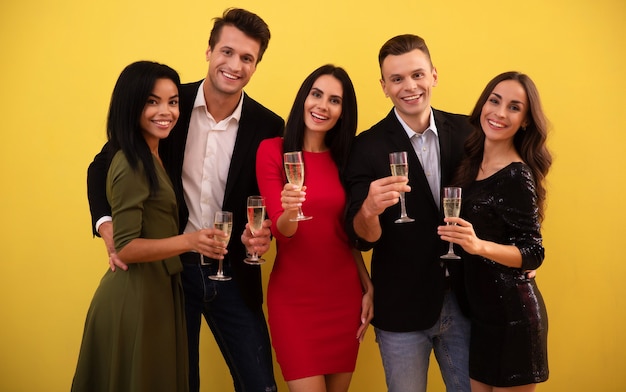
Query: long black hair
339,138
130,94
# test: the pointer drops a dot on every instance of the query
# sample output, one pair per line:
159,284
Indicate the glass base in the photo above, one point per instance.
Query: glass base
253,261
221,278
300,218
404,219
450,256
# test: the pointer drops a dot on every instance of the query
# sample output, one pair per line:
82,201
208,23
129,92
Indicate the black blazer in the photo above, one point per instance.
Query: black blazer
256,123
407,273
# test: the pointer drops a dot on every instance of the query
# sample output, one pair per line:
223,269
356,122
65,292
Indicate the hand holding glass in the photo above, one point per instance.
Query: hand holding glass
451,208
400,167
223,222
294,169
256,216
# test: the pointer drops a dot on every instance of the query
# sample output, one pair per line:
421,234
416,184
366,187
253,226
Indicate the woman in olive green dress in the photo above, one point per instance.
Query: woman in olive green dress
135,336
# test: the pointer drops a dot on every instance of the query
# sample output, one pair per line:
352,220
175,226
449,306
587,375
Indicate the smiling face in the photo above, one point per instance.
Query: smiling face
160,113
232,61
505,111
323,105
408,80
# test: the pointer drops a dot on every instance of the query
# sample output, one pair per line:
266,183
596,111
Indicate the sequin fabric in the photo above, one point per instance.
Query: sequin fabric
509,321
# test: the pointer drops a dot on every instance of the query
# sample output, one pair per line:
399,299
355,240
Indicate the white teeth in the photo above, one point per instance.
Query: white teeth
412,97
495,124
229,75
164,122
318,116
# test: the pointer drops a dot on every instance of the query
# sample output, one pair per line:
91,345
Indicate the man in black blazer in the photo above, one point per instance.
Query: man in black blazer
416,309
210,157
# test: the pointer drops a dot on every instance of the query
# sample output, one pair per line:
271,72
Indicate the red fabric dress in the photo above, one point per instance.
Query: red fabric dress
314,292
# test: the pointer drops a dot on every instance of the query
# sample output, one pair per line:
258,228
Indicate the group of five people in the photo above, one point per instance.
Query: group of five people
176,154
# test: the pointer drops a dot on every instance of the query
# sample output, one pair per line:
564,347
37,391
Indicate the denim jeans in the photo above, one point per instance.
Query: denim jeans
240,332
406,355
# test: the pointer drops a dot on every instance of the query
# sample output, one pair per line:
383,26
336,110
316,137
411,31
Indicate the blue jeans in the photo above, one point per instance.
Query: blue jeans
240,332
406,355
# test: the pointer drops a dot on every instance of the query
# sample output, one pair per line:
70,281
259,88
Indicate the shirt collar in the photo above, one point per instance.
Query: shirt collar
201,102
409,132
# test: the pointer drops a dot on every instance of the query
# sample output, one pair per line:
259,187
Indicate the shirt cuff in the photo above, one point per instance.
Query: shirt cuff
100,221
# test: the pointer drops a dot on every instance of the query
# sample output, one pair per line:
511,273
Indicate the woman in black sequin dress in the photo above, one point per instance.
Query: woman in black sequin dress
503,199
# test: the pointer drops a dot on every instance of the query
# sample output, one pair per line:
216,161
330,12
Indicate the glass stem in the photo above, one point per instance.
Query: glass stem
402,206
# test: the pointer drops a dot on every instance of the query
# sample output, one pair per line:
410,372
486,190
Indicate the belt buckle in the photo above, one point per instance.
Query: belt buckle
202,262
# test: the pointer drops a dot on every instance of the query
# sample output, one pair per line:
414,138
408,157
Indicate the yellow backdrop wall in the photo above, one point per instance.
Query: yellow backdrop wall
59,63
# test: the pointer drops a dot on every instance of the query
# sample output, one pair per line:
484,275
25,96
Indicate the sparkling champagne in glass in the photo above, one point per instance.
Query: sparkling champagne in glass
223,222
256,216
451,208
294,169
400,167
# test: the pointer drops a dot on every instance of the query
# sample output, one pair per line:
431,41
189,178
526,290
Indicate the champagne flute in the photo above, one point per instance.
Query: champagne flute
400,167
256,216
451,208
223,222
294,169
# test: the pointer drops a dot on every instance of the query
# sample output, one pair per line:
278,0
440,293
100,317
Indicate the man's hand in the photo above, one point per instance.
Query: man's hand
258,242
106,232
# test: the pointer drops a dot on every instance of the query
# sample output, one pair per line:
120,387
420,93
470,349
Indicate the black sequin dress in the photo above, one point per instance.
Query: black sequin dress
509,321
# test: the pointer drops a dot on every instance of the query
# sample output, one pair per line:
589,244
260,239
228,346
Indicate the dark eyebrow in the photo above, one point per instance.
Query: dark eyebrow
156,96
320,91
515,102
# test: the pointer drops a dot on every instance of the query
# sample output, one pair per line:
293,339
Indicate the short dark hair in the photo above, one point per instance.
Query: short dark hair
401,44
250,24
339,139
128,100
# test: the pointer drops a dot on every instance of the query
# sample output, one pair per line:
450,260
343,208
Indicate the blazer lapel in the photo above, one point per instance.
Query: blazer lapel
242,152
445,148
401,142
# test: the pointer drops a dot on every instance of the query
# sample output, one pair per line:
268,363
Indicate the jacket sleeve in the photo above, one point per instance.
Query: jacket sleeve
96,187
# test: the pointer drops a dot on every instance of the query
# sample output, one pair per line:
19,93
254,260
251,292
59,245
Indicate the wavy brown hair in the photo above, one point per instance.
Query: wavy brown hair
530,142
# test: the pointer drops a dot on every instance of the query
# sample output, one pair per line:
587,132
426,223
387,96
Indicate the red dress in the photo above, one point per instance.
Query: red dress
314,292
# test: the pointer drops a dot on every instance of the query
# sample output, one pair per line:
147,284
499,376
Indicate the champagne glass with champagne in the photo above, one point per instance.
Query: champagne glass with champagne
256,216
224,222
451,208
400,167
294,169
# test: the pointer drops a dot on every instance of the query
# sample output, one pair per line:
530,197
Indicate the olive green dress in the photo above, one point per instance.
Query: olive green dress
135,336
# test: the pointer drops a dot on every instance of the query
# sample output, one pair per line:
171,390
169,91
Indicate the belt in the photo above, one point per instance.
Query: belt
194,258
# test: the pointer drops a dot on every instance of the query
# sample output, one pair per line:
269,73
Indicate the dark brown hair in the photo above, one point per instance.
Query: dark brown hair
529,141
402,44
250,24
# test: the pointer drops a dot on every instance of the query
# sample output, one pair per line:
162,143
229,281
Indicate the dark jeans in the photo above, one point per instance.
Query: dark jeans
240,332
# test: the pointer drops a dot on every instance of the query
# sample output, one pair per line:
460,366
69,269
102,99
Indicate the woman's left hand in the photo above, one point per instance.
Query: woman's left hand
367,313
461,233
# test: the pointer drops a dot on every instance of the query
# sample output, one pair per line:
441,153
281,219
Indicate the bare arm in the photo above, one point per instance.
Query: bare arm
106,232
367,302
463,234
140,250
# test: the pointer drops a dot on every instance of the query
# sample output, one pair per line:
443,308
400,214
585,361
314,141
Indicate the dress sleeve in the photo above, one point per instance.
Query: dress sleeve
522,216
127,190
270,174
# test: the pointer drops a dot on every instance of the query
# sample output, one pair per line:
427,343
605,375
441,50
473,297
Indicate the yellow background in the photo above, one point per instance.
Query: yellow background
60,60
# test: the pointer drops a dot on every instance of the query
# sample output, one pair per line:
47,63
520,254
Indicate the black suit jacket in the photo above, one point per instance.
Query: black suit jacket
407,273
256,123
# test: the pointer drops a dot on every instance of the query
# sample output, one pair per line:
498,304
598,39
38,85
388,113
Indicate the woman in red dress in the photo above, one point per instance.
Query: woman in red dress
319,296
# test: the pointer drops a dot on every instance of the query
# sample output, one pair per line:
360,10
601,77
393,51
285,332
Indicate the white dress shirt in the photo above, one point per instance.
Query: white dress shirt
208,152
426,146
